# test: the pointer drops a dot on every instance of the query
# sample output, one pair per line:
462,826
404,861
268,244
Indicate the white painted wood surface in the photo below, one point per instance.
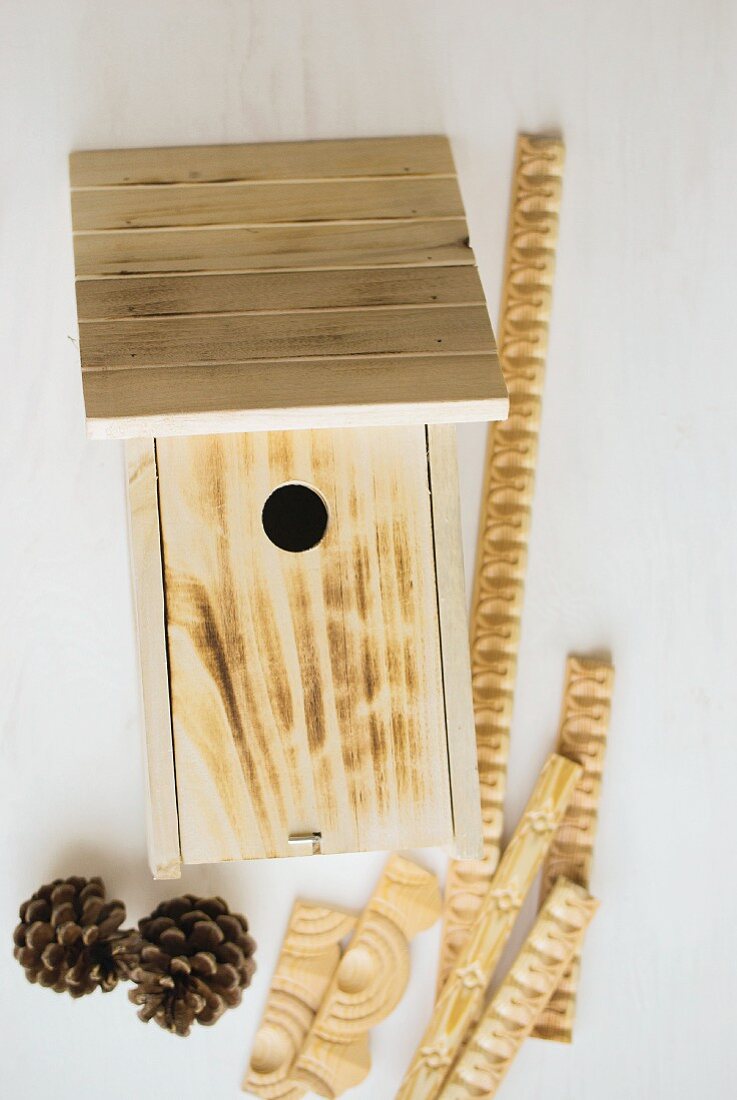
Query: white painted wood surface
634,539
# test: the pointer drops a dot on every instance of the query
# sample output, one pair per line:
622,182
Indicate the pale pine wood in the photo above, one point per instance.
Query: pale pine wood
307,691
370,979
446,511
268,396
277,291
274,247
582,736
288,160
246,203
168,341
461,997
308,959
506,504
148,594
188,257
556,937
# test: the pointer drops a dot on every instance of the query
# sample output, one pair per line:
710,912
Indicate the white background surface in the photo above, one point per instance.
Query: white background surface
635,526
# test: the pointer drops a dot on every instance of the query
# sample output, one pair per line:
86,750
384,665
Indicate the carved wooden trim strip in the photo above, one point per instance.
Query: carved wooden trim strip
582,735
463,993
370,979
555,938
505,510
308,959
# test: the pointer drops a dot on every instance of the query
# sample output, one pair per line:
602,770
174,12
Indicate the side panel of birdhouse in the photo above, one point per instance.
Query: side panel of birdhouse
306,687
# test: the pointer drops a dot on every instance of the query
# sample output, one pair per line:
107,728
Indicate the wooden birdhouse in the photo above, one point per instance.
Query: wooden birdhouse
285,335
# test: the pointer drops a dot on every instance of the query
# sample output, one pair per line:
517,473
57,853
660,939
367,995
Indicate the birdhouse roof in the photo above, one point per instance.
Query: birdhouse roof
290,285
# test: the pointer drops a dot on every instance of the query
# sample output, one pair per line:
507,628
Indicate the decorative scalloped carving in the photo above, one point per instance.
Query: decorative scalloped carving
308,960
506,501
555,938
461,998
370,979
584,723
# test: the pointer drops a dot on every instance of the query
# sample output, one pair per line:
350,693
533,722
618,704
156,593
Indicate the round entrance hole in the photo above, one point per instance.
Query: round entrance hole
295,517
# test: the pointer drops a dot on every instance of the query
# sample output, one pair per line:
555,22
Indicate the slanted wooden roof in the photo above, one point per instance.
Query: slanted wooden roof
300,284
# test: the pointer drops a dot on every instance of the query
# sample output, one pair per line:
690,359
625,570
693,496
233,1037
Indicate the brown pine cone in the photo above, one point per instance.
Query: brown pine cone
195,961
69,938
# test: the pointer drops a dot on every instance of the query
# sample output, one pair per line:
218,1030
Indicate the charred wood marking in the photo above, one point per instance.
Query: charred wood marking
306,687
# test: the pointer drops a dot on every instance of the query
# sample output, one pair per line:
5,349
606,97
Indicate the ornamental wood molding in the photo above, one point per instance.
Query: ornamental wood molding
556,937
582,737
462,995
308,959
370,979
506,503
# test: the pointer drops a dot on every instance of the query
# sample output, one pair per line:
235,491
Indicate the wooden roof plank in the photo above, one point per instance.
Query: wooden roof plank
168,341
264,395
366,157
239,203
257,248
166,295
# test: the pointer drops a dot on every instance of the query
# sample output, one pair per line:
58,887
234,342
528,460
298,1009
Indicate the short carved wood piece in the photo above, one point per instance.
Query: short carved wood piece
555,938
582,735
462,995
308,959
506,502
370,979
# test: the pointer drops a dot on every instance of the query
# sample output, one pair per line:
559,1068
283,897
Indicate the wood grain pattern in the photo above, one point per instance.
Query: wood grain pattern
277,291
294,252
582,736
246,203
506,504
459,1002
446,511
285,160
148,598
555,938
307,691
167,341
370,979
307,962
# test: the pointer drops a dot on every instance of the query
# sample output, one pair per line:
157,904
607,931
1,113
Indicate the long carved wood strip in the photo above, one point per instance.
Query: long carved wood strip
462,995
148,597
556,937
284,160
167,295
370,979
265,396
505,511
274,247
582,737
168,341
249,203
307,963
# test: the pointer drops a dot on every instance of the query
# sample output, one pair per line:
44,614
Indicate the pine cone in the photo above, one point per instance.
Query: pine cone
69,938
195,962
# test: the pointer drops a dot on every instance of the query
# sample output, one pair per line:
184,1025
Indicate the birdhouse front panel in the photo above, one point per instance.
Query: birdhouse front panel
304,642
285,335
